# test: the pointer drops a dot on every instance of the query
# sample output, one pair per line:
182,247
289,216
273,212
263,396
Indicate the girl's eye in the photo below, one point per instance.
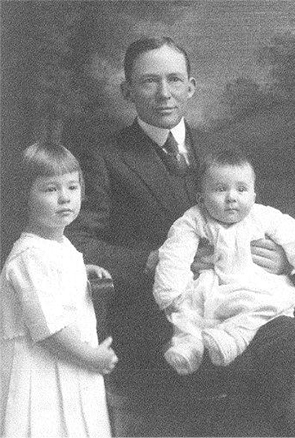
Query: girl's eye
50,189
220,189
74,187
242,189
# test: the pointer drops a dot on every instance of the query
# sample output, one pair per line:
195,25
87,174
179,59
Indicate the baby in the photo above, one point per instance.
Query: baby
223,309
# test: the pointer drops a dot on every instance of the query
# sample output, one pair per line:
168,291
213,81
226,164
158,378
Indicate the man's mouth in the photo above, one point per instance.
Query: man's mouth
165,109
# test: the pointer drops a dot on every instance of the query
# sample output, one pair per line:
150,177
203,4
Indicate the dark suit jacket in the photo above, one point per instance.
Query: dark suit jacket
131,202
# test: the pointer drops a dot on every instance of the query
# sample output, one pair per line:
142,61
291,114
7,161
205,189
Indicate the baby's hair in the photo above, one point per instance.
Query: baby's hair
225,157
48,158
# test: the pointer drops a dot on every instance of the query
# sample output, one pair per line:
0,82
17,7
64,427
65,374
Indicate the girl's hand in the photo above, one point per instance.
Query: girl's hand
269,255
107,358
94,271
67,345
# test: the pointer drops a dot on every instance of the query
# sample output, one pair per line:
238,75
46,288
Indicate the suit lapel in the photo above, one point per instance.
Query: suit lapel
139,154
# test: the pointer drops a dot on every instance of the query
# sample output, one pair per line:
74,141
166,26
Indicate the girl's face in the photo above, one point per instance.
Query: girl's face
228,192
54,202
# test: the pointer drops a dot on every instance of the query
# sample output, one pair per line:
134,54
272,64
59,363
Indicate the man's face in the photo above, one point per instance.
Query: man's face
160,87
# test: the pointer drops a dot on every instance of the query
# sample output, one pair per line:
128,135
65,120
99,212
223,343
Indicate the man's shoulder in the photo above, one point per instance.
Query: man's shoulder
200,138
114,140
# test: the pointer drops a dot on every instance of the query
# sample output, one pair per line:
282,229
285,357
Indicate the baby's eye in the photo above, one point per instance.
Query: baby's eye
74,187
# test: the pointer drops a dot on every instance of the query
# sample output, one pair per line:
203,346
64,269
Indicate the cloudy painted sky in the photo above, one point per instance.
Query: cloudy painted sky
221,37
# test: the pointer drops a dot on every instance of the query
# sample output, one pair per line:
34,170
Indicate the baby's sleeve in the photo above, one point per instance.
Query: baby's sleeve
280,228
173,272
36,281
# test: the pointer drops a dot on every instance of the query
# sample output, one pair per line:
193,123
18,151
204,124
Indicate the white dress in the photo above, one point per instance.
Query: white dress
43,288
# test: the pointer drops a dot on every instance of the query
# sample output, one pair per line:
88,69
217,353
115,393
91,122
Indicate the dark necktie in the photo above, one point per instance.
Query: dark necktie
175,161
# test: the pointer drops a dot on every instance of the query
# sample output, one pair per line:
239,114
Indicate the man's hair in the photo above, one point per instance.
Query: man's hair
48,158
225,157
144,45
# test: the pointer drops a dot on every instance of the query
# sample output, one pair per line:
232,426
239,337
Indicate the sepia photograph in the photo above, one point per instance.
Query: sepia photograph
147,218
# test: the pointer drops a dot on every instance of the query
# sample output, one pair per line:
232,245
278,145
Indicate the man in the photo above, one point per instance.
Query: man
137,185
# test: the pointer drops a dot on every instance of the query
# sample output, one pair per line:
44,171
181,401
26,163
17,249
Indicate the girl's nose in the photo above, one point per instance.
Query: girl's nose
64,196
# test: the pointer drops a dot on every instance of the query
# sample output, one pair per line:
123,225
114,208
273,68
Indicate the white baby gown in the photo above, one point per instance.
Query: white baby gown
237,295
43,288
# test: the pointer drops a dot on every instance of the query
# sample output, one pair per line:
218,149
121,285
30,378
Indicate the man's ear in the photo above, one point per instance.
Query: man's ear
126,91
191,87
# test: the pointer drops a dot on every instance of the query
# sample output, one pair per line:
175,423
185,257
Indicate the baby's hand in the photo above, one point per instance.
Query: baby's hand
107,357
203,259
172,308
94,271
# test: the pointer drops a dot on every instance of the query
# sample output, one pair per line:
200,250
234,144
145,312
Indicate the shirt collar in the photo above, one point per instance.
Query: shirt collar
159,135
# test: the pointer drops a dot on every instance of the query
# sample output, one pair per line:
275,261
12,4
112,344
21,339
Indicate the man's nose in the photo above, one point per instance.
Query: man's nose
164,89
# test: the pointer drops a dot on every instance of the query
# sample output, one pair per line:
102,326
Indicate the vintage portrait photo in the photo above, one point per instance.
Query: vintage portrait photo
147,218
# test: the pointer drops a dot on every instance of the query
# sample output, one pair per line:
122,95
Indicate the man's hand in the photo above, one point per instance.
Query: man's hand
152,262
269,255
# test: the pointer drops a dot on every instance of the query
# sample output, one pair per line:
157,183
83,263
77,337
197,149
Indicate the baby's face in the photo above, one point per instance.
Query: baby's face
228,192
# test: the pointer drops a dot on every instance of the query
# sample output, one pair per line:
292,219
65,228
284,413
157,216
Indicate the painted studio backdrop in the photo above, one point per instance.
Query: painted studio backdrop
63,60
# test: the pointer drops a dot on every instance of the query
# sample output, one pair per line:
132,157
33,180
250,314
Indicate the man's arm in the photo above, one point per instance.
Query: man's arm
91,232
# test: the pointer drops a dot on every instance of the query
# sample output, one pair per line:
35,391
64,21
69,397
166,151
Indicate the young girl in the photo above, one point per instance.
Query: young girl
223,309
51,363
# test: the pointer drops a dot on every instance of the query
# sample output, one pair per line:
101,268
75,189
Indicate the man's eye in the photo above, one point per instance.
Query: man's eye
149,80
175,79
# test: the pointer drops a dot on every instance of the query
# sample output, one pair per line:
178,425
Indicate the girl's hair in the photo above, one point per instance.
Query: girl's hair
225,157
48,158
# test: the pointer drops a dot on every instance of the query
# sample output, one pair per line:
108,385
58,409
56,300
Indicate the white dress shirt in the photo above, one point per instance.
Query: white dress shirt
159,135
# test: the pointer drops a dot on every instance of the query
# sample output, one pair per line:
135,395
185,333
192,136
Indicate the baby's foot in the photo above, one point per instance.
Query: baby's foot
185,357
222,347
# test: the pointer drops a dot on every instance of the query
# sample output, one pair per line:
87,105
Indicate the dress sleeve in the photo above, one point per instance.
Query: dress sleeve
173,271
37,284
